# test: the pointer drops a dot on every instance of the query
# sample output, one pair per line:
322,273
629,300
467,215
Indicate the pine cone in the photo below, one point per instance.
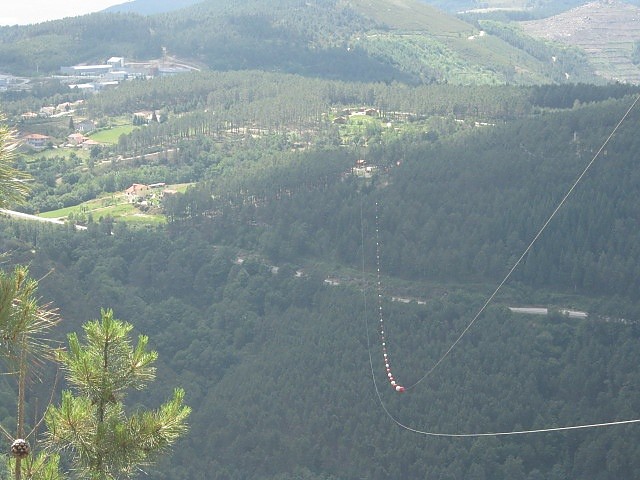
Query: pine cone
20,448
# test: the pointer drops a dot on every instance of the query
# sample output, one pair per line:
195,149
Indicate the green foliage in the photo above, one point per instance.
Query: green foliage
232,290
44,466
48,46
25,325
26,341
429,59
107,341
569,96
557,62
104,441
13,188
278,365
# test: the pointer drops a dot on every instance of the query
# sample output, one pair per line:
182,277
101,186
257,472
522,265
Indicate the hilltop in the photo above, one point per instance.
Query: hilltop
151,7
605,30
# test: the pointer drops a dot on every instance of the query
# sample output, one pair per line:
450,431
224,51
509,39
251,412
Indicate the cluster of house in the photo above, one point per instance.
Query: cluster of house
362,170
40,142
145,194
355,112
77,139
53,111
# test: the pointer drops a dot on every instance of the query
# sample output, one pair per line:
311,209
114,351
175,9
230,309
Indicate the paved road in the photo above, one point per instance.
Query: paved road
26,216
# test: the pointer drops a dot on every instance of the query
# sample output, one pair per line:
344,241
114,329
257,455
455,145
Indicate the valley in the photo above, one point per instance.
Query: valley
326,205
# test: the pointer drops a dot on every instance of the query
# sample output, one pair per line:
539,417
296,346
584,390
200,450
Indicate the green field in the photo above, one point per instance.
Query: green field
33,156
111,135
115,206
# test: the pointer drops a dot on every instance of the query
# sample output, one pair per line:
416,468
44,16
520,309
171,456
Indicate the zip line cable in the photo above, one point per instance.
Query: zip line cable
444,434
387,360
484,306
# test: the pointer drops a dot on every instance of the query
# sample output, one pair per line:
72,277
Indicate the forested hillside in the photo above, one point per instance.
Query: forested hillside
255,296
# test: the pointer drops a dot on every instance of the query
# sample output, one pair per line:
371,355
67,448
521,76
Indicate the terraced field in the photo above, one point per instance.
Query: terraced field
605,30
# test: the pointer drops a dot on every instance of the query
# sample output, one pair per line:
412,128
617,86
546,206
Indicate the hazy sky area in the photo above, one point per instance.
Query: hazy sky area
23,12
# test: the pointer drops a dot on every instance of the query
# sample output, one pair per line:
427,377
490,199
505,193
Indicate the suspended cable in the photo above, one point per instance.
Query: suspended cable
484,306
526,250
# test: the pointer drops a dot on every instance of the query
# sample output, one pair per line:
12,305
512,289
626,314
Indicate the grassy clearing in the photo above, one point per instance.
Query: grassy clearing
181,187
49,153
115,206
359,127
107,202
112,135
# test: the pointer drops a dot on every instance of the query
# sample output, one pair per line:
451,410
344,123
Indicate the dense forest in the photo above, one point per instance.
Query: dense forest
278,367
274,359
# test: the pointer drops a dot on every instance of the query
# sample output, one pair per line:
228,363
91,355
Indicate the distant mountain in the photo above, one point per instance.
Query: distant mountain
409,41
151,7
364,40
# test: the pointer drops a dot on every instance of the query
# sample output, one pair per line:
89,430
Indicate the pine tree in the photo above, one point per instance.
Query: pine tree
91,422
13,188
25,333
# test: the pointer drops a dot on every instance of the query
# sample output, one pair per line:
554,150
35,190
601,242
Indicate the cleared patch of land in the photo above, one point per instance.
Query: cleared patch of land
112,135
115,206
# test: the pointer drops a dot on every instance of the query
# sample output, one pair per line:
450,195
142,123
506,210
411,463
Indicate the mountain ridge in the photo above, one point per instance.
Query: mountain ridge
150,7
409,42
